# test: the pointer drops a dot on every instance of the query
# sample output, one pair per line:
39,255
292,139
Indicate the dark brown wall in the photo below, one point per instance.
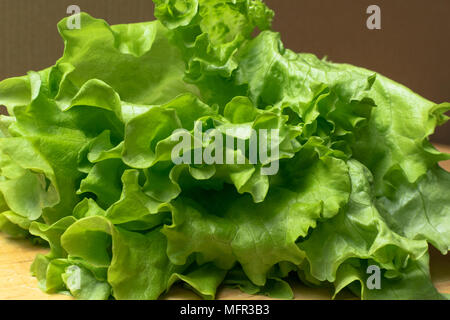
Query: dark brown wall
412,47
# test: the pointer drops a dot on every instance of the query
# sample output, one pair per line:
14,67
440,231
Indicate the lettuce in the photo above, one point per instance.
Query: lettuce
86,163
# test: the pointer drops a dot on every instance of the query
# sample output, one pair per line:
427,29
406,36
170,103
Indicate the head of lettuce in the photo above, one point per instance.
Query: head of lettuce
86,165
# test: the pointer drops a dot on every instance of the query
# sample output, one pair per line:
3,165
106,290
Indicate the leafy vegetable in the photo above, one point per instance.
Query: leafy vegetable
86,163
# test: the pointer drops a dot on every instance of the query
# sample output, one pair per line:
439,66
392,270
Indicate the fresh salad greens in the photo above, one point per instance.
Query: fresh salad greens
86,163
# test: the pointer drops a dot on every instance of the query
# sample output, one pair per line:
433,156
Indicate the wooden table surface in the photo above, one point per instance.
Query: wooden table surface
16,282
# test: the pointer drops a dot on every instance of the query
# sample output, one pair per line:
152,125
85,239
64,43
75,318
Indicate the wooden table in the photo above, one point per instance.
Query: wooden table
16,282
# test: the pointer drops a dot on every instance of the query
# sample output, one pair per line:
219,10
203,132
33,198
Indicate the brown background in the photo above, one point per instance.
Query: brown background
412,47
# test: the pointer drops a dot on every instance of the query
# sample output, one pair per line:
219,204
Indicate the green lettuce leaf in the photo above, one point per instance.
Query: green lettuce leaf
360,232
99,159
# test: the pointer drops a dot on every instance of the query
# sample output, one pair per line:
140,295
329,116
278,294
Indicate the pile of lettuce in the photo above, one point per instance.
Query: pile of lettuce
85,163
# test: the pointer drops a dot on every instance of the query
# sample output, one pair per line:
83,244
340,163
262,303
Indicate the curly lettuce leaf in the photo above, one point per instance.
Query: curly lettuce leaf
86,163
358,231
